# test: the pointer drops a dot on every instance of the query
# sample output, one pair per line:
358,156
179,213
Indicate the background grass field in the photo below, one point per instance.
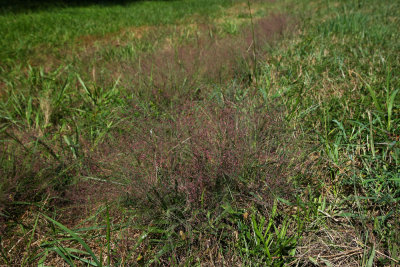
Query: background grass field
200,133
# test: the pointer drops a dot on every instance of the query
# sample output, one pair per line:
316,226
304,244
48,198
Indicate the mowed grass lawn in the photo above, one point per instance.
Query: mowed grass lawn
237,133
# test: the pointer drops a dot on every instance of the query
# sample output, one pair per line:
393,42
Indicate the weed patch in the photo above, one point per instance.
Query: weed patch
201,133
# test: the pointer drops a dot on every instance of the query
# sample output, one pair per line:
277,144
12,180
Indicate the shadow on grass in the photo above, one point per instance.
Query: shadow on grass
26,6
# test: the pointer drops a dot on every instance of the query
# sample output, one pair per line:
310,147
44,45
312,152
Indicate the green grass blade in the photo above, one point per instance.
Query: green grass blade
76,237
61,253
370,262
390,108
374,98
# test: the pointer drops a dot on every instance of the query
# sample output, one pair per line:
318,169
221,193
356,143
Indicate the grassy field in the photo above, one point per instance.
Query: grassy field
200,132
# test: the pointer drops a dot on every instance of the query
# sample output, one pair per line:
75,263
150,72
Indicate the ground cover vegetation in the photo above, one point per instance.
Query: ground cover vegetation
258,133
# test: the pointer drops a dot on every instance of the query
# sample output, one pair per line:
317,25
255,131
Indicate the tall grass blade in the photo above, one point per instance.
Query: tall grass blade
88,92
